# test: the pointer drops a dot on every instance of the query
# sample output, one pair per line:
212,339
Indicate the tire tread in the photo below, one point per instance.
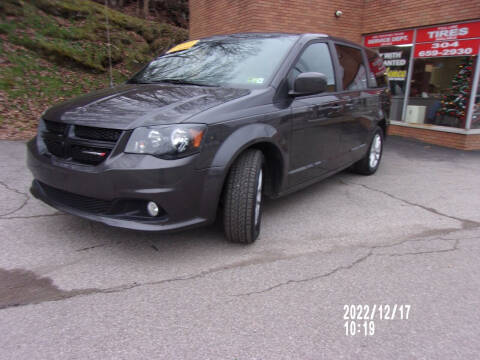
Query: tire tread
239,198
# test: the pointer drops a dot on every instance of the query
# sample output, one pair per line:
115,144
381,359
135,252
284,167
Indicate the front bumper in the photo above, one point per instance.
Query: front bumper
187,197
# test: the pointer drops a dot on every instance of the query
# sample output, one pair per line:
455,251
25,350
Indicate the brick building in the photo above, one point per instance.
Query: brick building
430,48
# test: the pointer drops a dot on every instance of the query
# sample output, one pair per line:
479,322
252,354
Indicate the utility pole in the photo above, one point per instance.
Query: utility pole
109,49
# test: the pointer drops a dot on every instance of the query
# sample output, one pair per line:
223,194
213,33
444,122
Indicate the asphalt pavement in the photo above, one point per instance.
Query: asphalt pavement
399,250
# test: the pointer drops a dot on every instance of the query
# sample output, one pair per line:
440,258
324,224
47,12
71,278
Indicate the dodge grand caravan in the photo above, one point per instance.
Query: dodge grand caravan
210,127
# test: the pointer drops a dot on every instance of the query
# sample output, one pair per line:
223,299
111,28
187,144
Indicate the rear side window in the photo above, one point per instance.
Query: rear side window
315,58
352,69
378,77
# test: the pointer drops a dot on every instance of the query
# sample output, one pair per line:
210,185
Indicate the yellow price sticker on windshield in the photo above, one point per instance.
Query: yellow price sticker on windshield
182,46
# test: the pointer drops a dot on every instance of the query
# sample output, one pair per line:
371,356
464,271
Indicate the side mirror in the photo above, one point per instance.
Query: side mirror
309,83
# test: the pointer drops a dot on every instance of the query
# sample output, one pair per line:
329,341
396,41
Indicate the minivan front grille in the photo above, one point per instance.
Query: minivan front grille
55,147
77,143
89,155
93,133
55,127
92,205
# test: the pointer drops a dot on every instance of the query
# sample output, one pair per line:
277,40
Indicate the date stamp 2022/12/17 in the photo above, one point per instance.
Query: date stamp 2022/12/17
360,319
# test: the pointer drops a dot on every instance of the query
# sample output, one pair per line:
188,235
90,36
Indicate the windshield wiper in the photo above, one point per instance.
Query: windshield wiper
135,81
182,82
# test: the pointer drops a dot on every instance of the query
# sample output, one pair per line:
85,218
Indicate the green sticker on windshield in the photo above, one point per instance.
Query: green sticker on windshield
255,80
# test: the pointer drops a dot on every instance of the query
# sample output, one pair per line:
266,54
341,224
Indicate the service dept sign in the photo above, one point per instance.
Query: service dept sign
389,39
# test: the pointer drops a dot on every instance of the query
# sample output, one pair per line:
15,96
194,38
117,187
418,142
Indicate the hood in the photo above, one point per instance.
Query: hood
132,105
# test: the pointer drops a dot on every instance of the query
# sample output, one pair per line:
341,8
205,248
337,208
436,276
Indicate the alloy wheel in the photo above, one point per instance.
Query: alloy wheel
375,151
258,200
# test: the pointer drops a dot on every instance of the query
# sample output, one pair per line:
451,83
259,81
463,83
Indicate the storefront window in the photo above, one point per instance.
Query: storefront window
440,82
396,59
395,49
476,109
440,91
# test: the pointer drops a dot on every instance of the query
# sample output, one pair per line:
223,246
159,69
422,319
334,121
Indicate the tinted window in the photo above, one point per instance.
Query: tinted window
315,58
377,76
352,68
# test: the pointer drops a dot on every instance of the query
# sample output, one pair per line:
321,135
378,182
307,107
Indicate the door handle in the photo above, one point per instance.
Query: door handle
335,107
335,110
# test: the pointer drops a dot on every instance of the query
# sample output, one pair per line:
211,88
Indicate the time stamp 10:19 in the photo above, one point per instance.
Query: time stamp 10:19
360,319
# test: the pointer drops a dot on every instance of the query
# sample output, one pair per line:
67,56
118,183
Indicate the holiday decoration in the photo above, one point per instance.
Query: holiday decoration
455,101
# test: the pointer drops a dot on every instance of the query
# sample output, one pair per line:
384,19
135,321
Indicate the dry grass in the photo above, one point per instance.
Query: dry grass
53,50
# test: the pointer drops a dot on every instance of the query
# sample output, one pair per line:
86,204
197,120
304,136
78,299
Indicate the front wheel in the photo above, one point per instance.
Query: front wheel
242,213
369,163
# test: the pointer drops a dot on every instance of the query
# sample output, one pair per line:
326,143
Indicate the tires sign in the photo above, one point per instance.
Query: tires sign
449,32
447,48
449,40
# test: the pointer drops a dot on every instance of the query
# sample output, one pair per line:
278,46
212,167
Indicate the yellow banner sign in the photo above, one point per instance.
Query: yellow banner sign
396,74
182,46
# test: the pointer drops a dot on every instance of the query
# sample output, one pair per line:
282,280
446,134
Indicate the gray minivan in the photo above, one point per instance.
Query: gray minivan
214,124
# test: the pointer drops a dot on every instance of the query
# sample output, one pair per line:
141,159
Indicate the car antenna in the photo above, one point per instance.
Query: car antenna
109,49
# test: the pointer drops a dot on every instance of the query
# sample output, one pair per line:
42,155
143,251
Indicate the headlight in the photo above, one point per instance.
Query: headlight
166,141
41,147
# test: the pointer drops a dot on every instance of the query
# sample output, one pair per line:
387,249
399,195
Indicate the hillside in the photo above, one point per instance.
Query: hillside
52,50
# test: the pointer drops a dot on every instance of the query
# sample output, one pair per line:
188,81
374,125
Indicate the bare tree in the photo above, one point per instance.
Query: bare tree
173,11
146,8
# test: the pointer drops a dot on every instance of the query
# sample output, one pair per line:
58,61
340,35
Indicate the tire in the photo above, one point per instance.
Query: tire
369,164
242,212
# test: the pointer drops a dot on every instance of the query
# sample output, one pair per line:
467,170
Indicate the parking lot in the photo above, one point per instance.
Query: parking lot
408,235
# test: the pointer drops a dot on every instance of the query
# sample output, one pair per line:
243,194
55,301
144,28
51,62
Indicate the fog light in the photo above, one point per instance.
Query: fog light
152,208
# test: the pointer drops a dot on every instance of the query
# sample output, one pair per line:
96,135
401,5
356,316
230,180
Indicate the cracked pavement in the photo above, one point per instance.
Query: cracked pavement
70,288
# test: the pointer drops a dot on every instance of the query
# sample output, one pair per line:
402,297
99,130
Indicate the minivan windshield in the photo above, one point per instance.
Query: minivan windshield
237,60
